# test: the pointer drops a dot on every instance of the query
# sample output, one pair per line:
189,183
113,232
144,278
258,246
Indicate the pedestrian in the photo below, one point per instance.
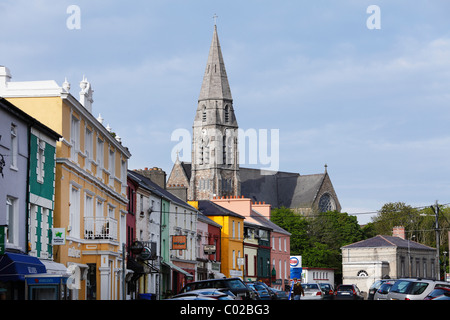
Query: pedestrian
297,289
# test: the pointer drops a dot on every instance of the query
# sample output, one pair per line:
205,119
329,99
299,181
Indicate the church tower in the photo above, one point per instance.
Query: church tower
215,158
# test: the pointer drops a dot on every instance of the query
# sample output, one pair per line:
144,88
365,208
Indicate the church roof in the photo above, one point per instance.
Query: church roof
215,81
292,189
387,241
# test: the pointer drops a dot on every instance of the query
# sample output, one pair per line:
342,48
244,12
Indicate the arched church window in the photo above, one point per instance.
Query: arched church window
326,203
204,114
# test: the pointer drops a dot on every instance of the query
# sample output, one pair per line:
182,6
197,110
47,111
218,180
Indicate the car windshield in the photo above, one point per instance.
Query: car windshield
385,287
345,288
401,286
236,284
310,286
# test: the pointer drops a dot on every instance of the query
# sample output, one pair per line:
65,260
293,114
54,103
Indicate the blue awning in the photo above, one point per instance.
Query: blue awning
14,266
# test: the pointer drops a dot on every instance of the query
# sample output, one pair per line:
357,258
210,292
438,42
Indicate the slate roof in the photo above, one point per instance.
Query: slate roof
153,187
292,189
287,189
387,241
209,208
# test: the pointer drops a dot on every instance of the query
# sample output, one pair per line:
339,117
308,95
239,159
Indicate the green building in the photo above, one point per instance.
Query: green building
41,191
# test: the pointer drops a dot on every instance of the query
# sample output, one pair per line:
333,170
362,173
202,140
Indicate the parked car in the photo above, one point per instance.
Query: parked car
235,285
348,292
312,292
437,292
375,286
327,291
414,289
382,292
263,293
269,289
280,294
445,296
215,294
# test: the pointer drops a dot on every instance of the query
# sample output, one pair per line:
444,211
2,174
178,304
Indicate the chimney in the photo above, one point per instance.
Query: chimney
262,208
399,231
156,175
5,77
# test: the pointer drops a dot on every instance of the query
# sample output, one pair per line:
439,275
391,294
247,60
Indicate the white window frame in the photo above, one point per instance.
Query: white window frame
14,147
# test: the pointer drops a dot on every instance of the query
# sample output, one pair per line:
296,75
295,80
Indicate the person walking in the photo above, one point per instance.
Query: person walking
297,289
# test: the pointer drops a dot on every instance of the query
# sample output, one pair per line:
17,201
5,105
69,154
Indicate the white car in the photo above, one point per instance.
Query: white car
414,289
312,292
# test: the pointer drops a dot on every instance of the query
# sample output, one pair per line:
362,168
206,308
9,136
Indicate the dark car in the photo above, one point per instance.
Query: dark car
235,285
374,287
263,293
348,292
280,294
327,290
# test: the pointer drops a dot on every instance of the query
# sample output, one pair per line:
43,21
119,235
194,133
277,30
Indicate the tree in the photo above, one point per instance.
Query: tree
296,225
395,214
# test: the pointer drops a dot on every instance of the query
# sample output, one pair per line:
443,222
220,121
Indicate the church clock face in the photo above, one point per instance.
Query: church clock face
326,203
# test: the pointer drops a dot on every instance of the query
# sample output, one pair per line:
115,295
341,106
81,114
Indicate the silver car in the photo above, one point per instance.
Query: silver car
312,292
414,289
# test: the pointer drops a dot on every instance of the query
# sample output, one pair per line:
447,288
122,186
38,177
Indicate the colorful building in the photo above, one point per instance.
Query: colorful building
91,183
27,185
232,236
272,243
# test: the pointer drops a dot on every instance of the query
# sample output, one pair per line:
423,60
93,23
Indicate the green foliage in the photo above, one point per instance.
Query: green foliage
318,238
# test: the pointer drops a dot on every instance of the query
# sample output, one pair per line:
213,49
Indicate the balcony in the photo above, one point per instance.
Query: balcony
103,228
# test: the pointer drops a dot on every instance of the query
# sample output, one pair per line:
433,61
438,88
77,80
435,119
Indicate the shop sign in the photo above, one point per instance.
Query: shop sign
179,242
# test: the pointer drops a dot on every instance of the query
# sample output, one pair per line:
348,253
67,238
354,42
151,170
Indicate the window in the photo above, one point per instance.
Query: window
99,208
88,148
75,137
227,114
233,230
326,203
74,223
40,160
100,151
14,146
12,211
204,114
112,165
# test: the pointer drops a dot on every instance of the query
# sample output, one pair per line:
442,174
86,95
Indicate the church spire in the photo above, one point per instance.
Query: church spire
215,81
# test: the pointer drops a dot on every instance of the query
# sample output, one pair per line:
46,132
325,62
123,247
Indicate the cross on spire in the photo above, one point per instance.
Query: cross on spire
215,16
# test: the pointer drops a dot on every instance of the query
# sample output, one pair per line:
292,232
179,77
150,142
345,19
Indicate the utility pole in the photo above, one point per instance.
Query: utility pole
436,212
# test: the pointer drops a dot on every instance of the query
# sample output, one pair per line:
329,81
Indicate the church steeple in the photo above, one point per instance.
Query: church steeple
215,160
215,81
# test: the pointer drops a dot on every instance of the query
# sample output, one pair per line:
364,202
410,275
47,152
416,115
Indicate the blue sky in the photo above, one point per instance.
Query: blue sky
371,104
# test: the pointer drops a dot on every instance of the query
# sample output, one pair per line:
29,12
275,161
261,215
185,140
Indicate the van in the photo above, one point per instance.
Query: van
414,289
235,285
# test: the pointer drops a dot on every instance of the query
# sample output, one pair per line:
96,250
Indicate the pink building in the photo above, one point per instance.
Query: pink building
259,214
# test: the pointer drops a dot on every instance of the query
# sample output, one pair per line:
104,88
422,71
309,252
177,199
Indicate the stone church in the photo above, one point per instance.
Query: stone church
215,171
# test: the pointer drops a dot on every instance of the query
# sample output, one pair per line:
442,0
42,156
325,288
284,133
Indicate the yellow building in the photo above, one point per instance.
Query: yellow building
232,236
91,181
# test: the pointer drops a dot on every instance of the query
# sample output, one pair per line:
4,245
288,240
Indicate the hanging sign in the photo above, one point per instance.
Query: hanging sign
179,242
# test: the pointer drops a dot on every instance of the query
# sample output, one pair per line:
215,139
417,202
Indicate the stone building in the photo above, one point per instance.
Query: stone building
386,257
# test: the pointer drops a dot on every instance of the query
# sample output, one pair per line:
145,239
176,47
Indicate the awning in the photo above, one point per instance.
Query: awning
178,269
55,268
14,266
